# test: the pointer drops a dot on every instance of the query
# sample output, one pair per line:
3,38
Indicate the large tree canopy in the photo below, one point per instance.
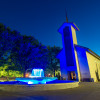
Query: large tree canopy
21,52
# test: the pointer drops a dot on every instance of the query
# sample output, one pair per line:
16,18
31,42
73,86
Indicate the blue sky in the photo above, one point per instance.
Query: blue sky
42,18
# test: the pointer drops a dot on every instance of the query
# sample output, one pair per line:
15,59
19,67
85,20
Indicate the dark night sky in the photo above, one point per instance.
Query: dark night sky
42,18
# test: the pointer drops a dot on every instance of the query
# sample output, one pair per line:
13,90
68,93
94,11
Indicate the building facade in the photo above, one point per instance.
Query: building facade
77,62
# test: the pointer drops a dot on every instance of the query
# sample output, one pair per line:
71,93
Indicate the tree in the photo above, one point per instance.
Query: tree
53,61
7,43
30,39
26,55
21,52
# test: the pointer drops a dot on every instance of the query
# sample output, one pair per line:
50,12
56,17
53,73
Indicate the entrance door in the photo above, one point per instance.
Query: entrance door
71,75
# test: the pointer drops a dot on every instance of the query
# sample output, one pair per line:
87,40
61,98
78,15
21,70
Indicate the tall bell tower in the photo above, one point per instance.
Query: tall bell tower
67,58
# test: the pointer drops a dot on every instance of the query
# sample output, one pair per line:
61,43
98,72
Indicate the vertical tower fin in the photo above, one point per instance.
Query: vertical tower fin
66,16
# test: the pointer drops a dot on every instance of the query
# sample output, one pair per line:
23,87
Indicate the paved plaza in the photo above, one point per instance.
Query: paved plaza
85,91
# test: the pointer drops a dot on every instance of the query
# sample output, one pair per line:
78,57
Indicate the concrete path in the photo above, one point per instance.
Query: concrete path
85,91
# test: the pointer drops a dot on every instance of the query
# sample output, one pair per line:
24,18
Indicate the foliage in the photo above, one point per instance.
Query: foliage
53,61
4,72
28,56
20,52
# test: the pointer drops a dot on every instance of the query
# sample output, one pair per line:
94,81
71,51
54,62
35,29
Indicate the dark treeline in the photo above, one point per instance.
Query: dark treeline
20,52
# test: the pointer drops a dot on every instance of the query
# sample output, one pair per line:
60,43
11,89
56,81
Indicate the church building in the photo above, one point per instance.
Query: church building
77,62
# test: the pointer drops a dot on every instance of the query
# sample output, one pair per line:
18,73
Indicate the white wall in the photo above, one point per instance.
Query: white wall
94,66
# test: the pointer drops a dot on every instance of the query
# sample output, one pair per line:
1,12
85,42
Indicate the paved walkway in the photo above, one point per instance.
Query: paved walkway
86,91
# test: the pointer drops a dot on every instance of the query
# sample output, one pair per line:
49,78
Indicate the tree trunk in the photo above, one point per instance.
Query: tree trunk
24,74
25,70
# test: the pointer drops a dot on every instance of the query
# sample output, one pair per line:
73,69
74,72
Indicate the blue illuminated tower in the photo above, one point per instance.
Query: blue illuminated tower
67,55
